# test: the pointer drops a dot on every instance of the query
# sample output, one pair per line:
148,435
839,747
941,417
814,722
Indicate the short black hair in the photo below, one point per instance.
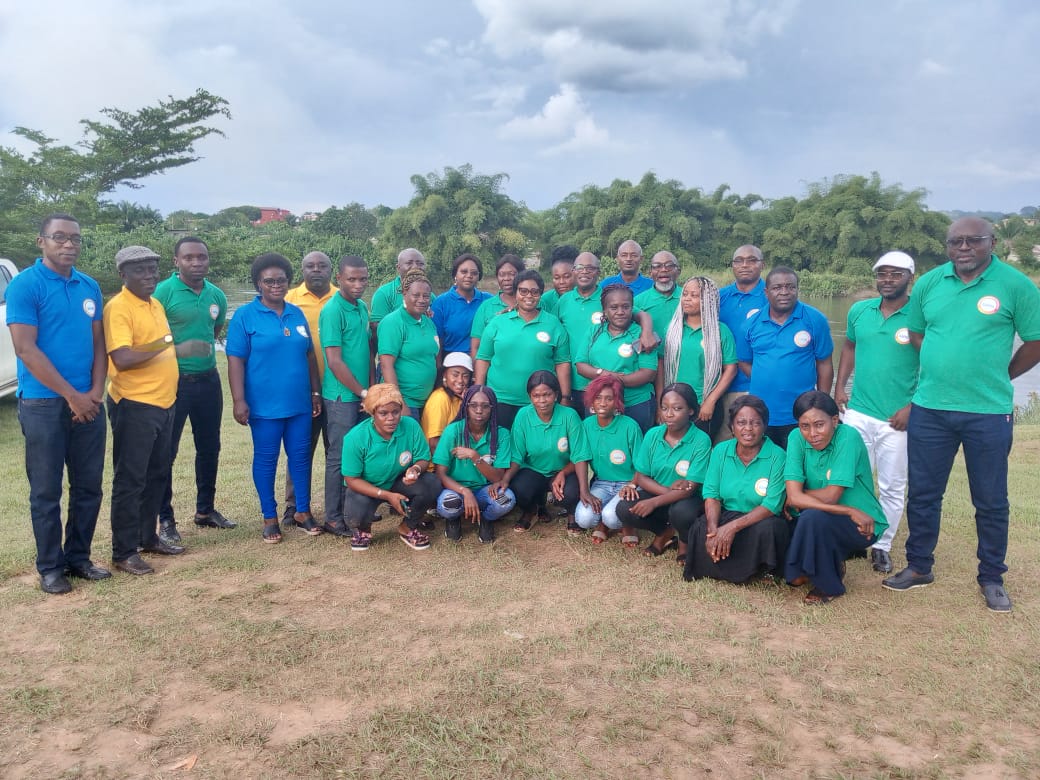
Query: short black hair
751,402
529,274
814,399
57,216
565,252
188,240
509,259
688,394
543,377
462,259
782,270
351,261
269,260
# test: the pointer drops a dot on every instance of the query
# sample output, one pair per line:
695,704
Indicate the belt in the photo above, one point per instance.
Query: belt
201,376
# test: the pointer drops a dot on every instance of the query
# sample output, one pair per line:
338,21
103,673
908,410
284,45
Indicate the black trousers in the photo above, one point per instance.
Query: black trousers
530,488
681,515
358,510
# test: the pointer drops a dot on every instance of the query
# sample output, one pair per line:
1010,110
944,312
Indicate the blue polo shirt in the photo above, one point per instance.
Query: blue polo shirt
735,308
639,284
63,312
453,317
783,357
274,348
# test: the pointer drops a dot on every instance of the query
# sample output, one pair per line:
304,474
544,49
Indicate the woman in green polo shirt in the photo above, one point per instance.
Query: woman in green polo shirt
408,344
699,350
613,348
742,533
830,481
385,458
664,496
550,452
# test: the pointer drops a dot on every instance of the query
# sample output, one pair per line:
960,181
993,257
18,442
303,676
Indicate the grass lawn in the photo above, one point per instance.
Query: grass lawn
540,656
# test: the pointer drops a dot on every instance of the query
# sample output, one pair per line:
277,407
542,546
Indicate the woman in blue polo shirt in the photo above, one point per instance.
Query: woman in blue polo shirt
275,388
454,311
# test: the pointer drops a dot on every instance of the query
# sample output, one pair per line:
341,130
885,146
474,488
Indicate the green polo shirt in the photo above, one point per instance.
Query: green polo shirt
381,461
613,447
617,353
741,488
463,471
486,312
345,325
192,316
579,314
691,356
516,349
843,462
549,301
388,298
414,344
660,307
664,463
969,334
886,362
546,447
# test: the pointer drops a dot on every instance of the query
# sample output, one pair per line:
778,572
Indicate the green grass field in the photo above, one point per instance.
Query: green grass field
540,656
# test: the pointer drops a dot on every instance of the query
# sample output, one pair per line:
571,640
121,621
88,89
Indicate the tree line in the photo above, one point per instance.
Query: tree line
834,232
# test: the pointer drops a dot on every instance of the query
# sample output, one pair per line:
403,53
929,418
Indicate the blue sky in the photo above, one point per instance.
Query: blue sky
334,102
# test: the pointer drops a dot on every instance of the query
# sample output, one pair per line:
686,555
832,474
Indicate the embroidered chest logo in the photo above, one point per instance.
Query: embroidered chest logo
988,304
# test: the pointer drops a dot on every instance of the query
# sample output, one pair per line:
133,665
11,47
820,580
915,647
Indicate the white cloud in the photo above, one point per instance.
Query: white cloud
930,67
565,119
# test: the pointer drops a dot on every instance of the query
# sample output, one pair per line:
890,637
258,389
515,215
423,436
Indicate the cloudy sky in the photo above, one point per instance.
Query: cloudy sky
334,102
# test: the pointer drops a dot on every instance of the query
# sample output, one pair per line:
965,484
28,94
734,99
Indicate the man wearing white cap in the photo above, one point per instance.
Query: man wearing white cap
877,346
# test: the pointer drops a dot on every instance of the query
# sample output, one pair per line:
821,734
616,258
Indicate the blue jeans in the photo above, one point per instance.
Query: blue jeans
341,416
933,438
53,443
607,492
645,414
490,509
268,436
199,399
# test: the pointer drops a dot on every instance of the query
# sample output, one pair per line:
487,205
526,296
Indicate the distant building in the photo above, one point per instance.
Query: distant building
271,214
309,216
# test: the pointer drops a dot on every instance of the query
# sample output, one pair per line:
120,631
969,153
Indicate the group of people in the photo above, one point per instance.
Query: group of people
708,417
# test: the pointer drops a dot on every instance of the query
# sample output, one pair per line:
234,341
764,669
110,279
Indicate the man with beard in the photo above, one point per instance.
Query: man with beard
661,300
963,316
877,347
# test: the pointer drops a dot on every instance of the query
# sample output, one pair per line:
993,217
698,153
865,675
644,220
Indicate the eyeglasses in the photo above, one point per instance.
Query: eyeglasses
64,238
745,261
972,241
478,407
783,287
662,266
279,281
528,292
580,268
895,276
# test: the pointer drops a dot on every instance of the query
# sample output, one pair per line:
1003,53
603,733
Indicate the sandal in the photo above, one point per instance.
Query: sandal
308,525
630,542
599,536
817,597
573,529
652,552
272,533
522,525
416,539
681,559
360,540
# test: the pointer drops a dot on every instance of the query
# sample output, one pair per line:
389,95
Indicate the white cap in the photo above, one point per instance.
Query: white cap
896,260
460,359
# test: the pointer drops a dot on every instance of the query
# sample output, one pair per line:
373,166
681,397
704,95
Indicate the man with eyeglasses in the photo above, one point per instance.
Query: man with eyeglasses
196,310
629,259
142,390
963,317
786,349
738,301
54,314
877,347
661,300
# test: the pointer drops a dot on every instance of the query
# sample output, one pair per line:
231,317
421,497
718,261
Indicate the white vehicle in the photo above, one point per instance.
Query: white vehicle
8,364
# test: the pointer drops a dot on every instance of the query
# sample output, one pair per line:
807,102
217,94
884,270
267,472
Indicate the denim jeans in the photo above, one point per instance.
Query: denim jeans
490,509
199,399
268,438
318,428
53,442
607,492
341,416
934,437
645,414
886,448
140,466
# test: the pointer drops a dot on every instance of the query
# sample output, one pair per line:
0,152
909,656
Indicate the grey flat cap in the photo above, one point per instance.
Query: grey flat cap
134,254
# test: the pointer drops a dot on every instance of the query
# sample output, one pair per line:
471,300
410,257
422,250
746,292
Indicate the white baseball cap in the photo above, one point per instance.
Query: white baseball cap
896,260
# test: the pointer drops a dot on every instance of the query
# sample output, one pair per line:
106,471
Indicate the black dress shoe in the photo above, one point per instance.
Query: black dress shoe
168,532
163,548
134,565
214,520
55,582
89,572
880,560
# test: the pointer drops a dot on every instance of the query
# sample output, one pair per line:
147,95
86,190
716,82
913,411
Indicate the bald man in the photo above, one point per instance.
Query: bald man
389,297
629,260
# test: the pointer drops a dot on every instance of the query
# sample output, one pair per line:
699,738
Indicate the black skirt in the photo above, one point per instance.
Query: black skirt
756,550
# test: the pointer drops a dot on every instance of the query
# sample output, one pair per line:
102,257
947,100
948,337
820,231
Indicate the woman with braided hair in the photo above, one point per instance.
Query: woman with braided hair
700,351
408,344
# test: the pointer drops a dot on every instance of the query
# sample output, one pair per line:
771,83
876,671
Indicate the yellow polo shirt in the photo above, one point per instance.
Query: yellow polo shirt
132,322
312,305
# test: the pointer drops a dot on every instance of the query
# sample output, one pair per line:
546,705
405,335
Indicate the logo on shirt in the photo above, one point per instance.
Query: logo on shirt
828,474
625,350
214,311
404,458
751,313
617,457
597,317
902,336
988,304
802,338
682,467
302,330
563,445
762,486
89,307
542,336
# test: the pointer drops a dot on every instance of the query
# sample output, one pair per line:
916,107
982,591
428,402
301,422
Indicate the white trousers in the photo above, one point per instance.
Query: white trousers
887,450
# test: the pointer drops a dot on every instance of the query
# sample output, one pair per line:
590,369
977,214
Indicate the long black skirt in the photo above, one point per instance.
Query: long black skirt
756,550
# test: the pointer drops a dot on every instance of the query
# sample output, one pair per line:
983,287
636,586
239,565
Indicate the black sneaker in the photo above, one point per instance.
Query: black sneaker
487,532
907,579
880,560
168,532
453,529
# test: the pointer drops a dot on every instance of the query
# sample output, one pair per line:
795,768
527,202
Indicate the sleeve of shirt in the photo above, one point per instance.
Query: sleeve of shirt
380,305
518,444
504,455
843,461
743,341
914,307
581,355
643,457
701,456
648,359
850,323
442,456
222,313
237,342
487,341
330,327
436,415
713,475
1027,311
563,346
22,302
352,462
480,320
822,341
777,493
119,331
579,441
794,467
729,345
438,317
99,301
389,337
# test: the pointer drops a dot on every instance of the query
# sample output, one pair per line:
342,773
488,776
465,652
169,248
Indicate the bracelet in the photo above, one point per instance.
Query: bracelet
318,395
565,398
380,493
364,393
